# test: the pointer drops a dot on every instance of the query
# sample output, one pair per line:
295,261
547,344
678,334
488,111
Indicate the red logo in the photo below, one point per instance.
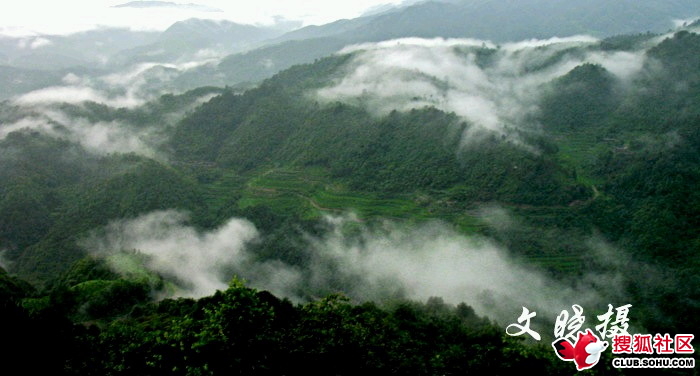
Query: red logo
585,352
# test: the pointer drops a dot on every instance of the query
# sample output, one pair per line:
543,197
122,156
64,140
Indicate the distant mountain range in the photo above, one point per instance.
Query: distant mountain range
255,52
516,19
167,4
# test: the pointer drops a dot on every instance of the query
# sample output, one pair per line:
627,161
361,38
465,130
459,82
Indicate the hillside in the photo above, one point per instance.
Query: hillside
314,213
516,20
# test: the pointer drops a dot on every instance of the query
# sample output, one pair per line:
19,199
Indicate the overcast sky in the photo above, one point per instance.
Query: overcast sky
27,17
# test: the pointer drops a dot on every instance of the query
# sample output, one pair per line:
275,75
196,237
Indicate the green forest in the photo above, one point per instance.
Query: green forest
602,182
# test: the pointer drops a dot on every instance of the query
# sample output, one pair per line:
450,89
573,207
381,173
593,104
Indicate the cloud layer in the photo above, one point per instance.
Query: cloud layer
98,137
129,88
77,94
496,88
196,260
381,263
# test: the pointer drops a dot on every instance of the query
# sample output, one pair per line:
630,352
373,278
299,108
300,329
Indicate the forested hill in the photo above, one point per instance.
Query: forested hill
540,173
516,19
612,146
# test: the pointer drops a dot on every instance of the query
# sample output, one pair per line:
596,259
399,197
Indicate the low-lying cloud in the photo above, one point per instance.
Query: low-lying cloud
432,260
495,88
33,43
390,261
197,261
97,137
139,75
681,23
128,88
5,263
76,95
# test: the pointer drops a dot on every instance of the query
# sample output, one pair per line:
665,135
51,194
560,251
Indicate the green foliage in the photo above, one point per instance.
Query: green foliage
616,160
581,99
401,152
628,42
243,331
86,269
671,87
144,187
158,112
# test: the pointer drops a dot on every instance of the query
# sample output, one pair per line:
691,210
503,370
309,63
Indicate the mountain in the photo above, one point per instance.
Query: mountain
520,20
584,158
94,58
516,20
32,63
92,48
17,81
391,207
205,52
574,138
195,39
166,4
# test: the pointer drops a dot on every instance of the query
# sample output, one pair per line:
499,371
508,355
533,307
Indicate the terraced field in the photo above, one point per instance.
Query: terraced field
309,194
